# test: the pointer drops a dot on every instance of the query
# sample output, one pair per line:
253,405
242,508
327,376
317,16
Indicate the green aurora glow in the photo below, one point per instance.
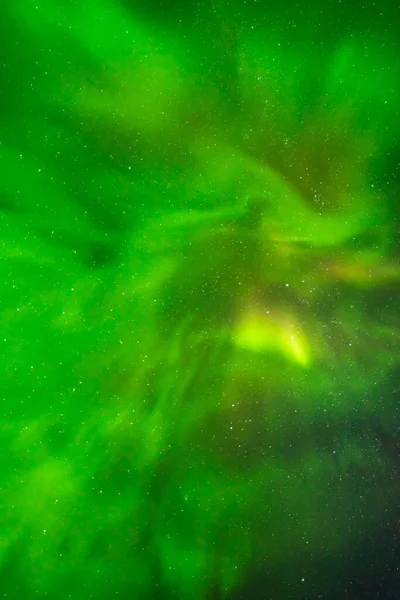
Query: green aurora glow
199,284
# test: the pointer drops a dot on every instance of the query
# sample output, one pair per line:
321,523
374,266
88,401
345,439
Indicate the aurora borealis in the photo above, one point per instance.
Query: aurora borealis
199,300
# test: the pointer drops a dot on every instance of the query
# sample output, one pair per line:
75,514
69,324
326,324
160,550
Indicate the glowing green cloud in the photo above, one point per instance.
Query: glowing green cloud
199,283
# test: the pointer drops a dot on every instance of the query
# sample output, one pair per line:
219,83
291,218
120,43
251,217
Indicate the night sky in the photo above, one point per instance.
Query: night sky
199,300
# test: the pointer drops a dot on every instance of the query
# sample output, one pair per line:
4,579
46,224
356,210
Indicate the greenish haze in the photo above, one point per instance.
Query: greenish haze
199,280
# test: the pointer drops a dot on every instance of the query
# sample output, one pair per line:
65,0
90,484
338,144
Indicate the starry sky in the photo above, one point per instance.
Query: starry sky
199,316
